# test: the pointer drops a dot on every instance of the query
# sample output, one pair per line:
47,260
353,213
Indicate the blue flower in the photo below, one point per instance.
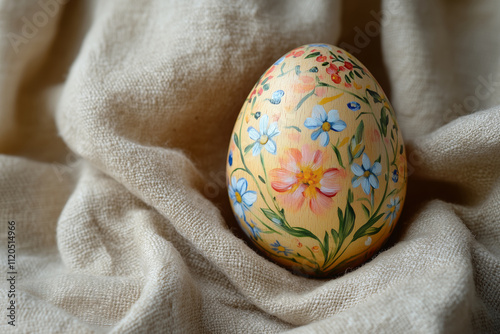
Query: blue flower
279,61
230,158
354,106
276,97
323,123
320,46
264,138
280,249
241,197
366,174
254,229
393,206
395,175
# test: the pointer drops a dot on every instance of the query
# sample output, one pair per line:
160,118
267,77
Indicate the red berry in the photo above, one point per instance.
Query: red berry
336,78
348,65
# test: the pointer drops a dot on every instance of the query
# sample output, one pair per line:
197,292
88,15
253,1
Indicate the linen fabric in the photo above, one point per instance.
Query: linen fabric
115,119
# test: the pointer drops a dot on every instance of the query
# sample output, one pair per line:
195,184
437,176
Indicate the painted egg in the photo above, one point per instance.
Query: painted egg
316,168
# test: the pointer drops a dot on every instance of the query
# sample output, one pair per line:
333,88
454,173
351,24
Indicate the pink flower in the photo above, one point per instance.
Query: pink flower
321,91
332,69
302,178
305,85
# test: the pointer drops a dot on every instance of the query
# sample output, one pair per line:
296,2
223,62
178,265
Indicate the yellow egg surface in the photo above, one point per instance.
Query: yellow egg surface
316,167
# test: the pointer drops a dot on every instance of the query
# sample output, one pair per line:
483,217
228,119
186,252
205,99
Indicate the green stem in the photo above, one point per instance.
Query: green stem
269,188
384,196
260,220
246,167
305,98
239,168
335,258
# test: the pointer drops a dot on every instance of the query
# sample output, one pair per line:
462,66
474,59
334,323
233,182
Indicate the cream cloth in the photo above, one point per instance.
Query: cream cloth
115,119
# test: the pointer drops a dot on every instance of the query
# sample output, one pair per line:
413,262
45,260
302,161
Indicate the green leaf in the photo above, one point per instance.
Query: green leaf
359,132
362,230
401,150
265,80
350,196
339,157
347,79
294,231
236,141
262,180
376,97
272,216
349,154
326,243
379,158
325,63
373,230
357,155
297,69
249,147
265,87
341,58
335,236
365,210
341,217
350,217
322,84
312,55
358,75
351,75
300,232
384,120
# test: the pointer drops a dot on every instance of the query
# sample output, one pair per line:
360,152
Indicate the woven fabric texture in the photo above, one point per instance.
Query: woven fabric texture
115,119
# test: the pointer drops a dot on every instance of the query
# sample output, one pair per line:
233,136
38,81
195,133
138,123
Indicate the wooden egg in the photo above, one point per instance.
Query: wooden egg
316,168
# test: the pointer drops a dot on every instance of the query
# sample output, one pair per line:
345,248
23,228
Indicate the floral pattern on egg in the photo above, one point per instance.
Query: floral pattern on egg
317,173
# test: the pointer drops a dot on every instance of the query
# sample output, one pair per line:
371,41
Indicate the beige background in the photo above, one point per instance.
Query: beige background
114,124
